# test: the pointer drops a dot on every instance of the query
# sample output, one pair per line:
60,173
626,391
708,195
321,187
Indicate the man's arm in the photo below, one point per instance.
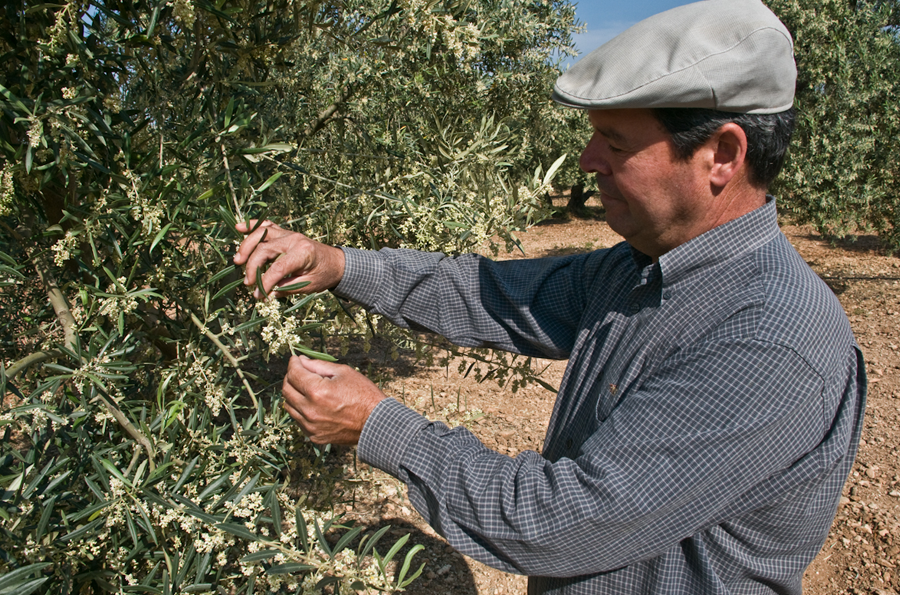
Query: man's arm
533,307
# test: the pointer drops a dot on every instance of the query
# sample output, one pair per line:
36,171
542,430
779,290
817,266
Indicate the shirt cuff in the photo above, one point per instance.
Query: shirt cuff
362,275
388,432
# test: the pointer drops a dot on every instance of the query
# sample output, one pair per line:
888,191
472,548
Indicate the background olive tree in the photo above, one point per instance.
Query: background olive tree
843,175
145,448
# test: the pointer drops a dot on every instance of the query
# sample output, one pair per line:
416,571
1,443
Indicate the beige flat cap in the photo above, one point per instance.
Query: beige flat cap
727,55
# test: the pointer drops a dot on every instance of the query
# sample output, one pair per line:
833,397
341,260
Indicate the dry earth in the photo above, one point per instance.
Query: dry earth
862,554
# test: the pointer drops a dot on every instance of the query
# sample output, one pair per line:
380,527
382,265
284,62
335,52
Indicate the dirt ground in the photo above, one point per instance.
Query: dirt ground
862,553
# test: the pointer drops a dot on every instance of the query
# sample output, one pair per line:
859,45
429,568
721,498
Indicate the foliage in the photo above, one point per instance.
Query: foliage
842,175
145,448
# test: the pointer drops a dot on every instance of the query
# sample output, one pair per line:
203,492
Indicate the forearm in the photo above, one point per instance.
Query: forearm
469,299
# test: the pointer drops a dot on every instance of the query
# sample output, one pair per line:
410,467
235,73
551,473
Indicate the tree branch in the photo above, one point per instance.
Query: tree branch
329,112
31,360
129,428
57,298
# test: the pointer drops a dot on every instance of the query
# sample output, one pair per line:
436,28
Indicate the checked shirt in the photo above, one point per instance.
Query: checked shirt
707,420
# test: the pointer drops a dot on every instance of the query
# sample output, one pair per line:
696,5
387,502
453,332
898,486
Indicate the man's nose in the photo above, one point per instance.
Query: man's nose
592,158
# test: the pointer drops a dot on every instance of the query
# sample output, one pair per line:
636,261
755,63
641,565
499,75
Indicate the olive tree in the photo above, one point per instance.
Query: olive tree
145,447
841,174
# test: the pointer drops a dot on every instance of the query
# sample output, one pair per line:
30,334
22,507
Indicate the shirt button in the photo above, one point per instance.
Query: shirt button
667,295
635,307
569,444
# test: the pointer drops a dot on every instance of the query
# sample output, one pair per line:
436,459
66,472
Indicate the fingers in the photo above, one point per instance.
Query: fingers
251,241
270,243
302,382
293,258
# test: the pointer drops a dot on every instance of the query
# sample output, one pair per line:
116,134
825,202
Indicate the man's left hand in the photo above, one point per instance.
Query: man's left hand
330,402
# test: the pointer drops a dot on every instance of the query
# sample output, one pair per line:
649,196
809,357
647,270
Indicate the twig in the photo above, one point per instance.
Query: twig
231,359
237,207
129,428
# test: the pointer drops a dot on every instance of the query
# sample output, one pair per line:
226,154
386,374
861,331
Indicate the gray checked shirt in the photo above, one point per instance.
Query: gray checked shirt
708,418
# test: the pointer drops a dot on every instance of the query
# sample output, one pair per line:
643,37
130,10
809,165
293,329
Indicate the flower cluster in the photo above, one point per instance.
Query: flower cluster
184,13
62,249
143,208
82,376
203,374
7,190
35,133
280,332
119,301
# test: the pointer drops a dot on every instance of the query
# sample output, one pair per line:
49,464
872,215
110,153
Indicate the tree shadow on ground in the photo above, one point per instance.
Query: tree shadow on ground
445,570
854,243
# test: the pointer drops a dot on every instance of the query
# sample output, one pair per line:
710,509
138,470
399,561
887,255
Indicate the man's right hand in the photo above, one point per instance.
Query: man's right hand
294,258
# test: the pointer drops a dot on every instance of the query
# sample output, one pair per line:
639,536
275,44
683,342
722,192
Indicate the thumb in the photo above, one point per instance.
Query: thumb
320,367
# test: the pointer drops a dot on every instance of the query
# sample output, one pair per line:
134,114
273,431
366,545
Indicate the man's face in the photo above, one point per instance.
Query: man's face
655,201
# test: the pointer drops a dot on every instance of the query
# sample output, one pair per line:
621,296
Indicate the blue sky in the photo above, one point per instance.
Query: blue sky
607,18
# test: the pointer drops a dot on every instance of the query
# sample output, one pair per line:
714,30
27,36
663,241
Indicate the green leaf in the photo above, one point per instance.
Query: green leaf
229,110
185,474
314,354
371,542
247,488
270,148
78,533
238,530
275,508
115,471
396,548
229,218
28,588
20,575
345,540
289,568
159,236
551,173
221,274
406,563
45,518
259,282
227,289
269,182
214,486
323,543
259,556
292,287
302,534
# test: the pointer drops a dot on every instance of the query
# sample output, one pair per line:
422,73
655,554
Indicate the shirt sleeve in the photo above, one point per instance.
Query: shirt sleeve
725,429
532,307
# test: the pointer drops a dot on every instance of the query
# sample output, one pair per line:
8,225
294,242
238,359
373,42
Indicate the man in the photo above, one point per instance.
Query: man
714,396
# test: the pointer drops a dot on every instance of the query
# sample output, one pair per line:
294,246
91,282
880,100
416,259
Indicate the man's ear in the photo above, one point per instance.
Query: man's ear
729,152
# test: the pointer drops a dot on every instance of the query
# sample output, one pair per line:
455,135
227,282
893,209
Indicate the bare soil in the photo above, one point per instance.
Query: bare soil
862,553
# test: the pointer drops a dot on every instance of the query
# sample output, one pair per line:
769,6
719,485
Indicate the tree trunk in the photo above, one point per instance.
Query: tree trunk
577,199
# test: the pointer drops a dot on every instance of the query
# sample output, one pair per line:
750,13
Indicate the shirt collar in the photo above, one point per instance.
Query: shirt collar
722,243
